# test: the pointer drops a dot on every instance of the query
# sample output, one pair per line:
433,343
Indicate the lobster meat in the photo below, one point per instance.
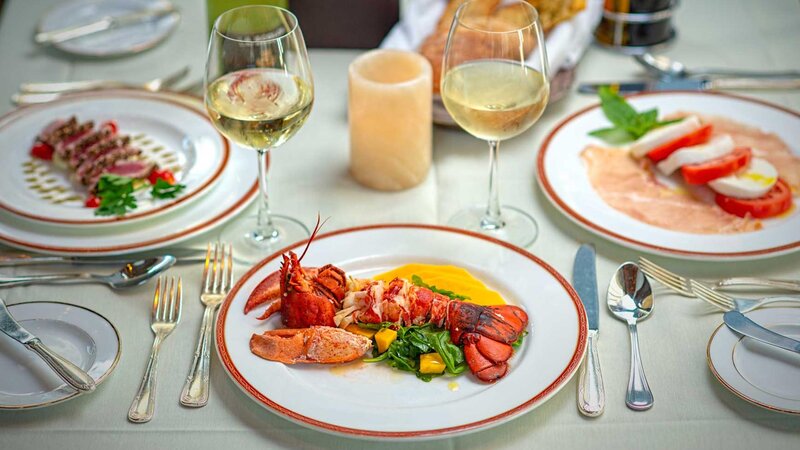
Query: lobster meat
309,345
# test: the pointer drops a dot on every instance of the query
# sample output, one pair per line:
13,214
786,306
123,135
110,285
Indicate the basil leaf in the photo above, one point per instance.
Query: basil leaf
616,109
417,280
613,136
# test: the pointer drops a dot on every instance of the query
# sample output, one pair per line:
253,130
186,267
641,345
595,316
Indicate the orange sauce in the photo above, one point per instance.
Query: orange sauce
451,278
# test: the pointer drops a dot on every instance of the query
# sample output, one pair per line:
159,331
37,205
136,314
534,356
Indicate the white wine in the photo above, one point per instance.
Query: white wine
259,108
494,100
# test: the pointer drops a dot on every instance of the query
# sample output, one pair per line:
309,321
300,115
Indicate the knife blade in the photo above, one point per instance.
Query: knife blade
69,372
591,393
105,23
699,84
742,324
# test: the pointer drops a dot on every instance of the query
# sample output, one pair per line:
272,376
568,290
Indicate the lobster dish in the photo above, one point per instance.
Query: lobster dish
332,318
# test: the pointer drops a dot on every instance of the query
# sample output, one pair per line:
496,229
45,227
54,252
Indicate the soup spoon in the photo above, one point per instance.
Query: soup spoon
131,274
663,66
630,299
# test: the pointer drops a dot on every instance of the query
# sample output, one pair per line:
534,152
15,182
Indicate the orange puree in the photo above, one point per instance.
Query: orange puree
450,278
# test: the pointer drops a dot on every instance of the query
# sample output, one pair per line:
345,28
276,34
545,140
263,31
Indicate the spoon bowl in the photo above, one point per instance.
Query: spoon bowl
664,67
138,272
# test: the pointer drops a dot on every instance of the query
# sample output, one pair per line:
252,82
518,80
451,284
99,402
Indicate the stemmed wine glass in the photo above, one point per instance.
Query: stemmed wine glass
493,93
259,92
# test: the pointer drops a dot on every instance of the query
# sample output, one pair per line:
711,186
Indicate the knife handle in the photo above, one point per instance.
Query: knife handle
591,393
69,372
755,83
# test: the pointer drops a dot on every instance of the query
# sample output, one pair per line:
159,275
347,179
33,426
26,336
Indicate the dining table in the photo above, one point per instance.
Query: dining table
309,176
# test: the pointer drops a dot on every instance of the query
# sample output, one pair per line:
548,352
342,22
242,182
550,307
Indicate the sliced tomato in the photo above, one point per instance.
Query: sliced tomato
92,201
717,168
776,201
111,125
164,174
42,151
696,137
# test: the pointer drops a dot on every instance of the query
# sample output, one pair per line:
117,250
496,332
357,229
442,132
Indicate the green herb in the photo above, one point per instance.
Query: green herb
629,124
519,340
163,190
413,341
418,282
117,193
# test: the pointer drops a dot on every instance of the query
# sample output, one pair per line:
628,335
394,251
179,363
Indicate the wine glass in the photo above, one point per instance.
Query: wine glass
259,92
492,92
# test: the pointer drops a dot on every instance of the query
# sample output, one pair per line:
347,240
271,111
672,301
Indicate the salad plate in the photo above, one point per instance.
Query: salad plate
756,372
187,144
564,178
371,400
84,337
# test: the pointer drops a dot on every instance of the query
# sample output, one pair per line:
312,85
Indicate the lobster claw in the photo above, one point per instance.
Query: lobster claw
325,345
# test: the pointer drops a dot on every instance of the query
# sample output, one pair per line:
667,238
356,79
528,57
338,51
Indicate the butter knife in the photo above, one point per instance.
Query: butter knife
69,372
591,393
742,324
702,84
105,23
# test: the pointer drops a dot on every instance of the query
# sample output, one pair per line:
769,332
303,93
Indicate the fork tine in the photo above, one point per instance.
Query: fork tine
223,263
666,273
230,266
711,295
179,295
154,312
170,317
205,268
217,274
676,282
164,301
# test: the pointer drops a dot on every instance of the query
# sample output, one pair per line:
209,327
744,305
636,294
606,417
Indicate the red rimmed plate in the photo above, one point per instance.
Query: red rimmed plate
374,401
563,178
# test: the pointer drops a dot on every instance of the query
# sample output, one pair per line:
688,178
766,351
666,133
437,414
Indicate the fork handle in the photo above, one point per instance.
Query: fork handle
144,404
788,285
195,390
57,278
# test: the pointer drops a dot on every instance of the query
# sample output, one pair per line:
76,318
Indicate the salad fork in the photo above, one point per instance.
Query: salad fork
217,282
691,288
166,313
155,84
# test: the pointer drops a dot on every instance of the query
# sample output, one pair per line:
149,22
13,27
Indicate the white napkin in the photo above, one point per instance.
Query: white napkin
565,43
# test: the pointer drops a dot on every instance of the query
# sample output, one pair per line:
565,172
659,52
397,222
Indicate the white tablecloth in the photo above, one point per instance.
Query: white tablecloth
310,174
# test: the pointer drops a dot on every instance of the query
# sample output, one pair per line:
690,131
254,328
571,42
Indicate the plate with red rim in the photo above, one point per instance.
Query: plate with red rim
236,188
170,134
565,182
373,401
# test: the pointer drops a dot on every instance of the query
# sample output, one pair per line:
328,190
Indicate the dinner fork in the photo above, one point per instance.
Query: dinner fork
165,315
155,84
217,282
687,287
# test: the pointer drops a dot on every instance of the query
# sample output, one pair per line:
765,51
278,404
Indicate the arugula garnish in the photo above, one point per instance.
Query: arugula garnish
629,124
117,193
418,282
413,341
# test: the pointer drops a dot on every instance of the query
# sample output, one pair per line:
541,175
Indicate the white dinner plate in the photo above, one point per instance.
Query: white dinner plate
563,178
84,337
128,39
236,188
171,134
374,401
759,373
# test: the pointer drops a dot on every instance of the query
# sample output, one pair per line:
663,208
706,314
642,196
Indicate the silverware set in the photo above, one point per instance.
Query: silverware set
34,93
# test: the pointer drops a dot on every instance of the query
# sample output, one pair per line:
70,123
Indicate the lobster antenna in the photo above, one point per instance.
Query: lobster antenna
313,235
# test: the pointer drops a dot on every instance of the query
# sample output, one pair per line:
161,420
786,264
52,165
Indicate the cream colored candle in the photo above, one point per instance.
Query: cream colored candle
390,119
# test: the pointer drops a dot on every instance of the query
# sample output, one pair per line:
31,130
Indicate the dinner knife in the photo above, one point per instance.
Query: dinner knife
591,394
105,23
69,372
685,84
742,324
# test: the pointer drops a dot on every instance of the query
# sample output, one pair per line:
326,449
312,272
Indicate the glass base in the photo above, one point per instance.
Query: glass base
515,226
252,248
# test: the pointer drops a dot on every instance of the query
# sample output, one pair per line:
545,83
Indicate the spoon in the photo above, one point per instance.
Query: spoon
131,274
630,299
662,66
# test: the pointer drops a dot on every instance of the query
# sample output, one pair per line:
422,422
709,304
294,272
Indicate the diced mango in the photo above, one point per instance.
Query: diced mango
431,363
384,338
355,329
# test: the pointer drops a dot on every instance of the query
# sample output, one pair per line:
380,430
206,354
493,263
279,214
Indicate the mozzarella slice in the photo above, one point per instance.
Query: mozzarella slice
662,135
753,182
696,154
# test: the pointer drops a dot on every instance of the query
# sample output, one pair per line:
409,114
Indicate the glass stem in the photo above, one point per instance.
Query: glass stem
266,229
492,220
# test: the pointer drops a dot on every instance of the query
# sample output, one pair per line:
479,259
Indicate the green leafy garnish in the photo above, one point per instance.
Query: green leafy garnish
163,190
413,341
418,282
117,193
629,124
519,340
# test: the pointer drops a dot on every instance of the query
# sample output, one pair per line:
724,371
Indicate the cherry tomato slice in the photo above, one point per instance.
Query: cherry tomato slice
164,174
42,151
776,201
717,168
92,201
112,125
696,137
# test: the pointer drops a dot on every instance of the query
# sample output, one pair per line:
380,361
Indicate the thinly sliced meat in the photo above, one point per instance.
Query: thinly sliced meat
132,169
